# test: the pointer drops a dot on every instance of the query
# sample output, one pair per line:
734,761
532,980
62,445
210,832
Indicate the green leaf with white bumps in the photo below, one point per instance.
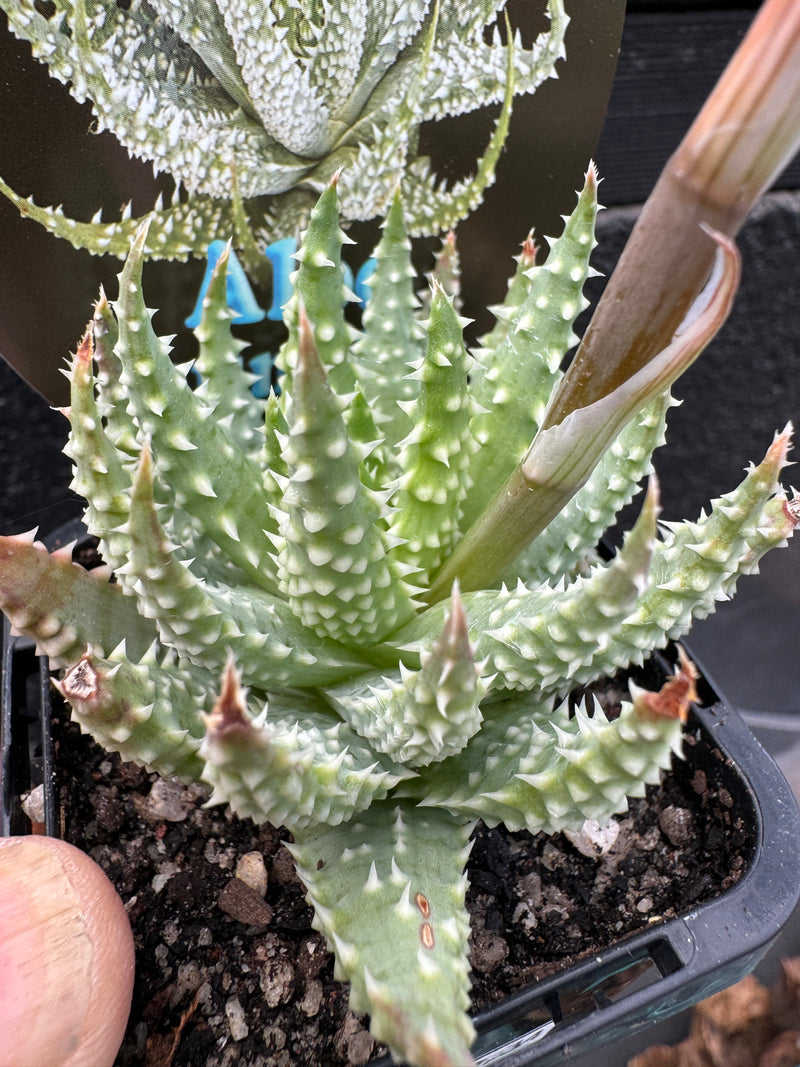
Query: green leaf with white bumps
148,710
425,715
393,876
208,475
293,765
225,385
392,339
526,362
333,565
436,455
575,532
552,769
63,607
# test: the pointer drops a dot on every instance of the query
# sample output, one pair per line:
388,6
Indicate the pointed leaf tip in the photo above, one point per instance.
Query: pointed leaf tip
81,682
229,715
140,237
673,699
85,353
778,451
308,359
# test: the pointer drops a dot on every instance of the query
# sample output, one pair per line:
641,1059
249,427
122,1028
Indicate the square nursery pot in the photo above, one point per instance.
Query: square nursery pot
642,979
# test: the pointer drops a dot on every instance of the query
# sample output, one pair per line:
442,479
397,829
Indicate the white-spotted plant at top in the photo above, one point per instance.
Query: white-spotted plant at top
252,105
275,628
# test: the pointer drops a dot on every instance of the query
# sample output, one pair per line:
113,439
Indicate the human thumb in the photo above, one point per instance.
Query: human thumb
66,957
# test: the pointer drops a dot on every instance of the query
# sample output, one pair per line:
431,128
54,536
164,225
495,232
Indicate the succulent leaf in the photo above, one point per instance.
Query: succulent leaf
525,363
209,476
436,455
392,339
574,533
537,639
334,569
225,385
63,607
394,876
175,232
99,471
420,716
319,292
146,710
699,563
205,623
550,770
292,765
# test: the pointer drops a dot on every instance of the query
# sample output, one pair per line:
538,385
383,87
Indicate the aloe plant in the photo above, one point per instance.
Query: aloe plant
357,612
275,628
251,107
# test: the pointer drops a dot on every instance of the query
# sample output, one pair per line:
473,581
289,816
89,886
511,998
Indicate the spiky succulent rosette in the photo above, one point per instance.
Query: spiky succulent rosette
271,631
251,106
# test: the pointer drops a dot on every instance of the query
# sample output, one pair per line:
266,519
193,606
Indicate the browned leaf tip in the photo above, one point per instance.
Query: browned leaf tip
678,692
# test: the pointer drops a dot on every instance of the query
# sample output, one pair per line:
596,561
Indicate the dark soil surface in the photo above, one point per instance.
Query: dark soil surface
229,971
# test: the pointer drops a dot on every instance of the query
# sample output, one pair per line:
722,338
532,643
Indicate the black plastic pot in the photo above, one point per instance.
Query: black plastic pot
644,978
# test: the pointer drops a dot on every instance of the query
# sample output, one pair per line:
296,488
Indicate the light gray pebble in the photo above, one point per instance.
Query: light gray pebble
236,1021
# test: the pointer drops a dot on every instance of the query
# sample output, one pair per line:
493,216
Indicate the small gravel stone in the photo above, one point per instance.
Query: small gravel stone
252,870
167,800
33,804
487,952
677,825
359,1047
277,982
283,867
531,885
274,1038
594,840
171,932
245,904
644,905
312,998
235,1013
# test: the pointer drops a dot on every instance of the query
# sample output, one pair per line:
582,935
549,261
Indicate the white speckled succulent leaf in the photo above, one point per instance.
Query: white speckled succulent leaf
433,205
437,454
208,475
393,876
424,715
175,232
320,292
100,470
62,606
536,639
225,384
574,533
562,455
525,364
146,709
457,89
698,564
334,568
284,93
392,340
299,556
294,769
203,622
551,769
